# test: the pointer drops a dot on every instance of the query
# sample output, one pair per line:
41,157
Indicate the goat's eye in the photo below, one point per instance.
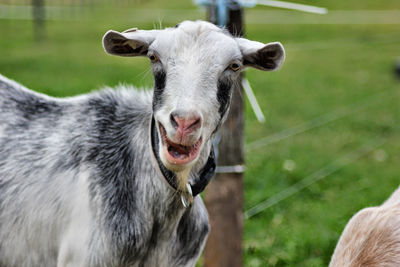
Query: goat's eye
153,58
234,66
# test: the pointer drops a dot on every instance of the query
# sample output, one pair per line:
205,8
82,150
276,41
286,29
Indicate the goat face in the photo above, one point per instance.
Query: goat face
195,65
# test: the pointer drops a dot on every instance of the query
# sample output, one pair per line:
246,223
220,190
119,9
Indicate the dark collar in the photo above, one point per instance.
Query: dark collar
199,183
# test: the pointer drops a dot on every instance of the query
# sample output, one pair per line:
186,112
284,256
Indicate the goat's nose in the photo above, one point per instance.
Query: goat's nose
185,122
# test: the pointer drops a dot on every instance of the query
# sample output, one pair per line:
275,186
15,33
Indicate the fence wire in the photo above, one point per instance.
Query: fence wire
317,122
329,168
316,176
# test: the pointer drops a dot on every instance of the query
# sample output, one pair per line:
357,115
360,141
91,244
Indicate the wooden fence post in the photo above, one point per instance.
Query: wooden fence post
224,195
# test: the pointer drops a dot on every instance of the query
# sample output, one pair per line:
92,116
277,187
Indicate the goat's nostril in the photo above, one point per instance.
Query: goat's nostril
173,121
196,122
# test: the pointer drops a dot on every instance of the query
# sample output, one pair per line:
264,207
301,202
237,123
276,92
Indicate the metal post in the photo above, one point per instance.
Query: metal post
38,11
224,195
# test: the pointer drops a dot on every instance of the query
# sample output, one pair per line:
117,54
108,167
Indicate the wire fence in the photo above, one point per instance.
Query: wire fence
57,9
318,121
73,9
41,10
330,168
316,176
68,2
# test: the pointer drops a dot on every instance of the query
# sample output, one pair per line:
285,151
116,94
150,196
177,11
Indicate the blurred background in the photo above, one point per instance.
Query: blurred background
330,143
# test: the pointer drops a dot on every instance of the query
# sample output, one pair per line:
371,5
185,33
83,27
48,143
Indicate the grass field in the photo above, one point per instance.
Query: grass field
336,94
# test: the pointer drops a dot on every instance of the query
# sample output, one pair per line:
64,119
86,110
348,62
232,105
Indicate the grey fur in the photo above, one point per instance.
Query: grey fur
78,184
47,145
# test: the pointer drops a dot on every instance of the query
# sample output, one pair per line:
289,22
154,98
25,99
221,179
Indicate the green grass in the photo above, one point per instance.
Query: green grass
328,67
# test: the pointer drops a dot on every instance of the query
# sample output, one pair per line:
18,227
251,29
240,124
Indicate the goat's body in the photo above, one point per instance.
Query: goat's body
78,186
372,237
80,177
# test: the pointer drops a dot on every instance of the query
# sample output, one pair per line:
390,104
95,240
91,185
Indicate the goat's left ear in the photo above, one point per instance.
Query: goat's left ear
130,43
261,56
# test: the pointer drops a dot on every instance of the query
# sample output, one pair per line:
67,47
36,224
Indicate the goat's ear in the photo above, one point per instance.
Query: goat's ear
261,56
130,43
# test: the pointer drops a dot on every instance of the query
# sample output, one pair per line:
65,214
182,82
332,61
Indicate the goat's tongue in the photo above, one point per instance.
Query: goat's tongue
178,151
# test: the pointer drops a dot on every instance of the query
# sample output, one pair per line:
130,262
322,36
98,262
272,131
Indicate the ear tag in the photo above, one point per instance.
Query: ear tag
187,197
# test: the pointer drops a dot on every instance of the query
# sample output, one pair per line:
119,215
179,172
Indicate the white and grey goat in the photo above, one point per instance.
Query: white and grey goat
371,238
110,178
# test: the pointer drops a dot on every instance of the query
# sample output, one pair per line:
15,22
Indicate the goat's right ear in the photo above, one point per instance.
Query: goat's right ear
130,43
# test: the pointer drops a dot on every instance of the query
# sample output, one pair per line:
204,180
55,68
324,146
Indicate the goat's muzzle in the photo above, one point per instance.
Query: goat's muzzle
178,154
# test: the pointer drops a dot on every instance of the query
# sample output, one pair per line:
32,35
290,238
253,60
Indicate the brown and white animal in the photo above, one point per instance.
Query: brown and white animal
111,178
371,238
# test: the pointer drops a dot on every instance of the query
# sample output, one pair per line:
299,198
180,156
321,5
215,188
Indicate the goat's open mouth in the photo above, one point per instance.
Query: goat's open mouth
178,154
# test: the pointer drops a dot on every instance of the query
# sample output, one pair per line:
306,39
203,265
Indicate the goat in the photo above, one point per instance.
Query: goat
371,238
112,178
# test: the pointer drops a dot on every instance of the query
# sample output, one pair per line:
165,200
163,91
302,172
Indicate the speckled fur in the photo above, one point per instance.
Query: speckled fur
78,184
78,187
